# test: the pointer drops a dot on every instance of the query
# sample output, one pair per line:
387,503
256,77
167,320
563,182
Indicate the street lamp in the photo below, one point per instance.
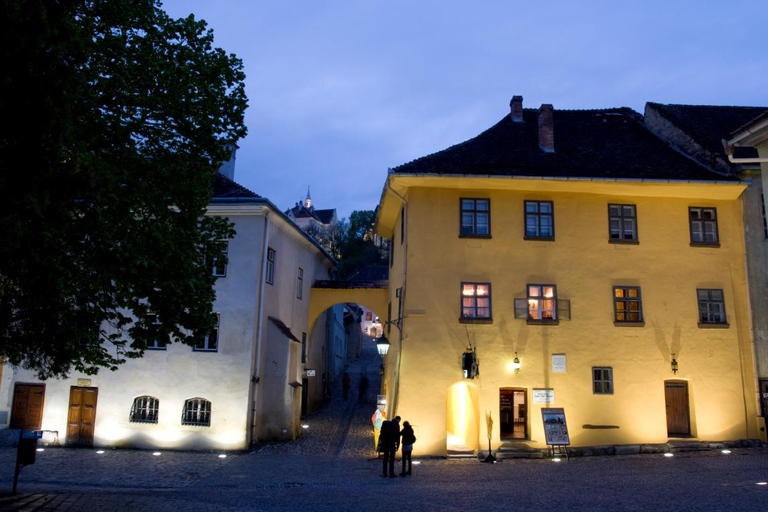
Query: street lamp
674,364
382,345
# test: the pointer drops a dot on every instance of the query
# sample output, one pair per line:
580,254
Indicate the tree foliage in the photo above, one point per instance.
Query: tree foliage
113,119
357,245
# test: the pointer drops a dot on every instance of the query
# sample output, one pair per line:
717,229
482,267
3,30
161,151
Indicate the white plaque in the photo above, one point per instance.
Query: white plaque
558,363
543,396
310,373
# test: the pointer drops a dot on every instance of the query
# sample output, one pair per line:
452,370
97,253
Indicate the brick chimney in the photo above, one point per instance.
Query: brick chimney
546,130
516,109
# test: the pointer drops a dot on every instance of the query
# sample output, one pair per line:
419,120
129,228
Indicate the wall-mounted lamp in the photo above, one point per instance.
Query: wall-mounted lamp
674,364
382,345
469,364
516,364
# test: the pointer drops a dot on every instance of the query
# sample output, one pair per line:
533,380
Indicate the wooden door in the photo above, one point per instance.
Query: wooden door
676,397
82,415
27,406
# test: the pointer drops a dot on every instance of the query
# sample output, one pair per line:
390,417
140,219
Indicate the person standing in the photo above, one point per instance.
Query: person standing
387,445
396,431
345,385
408,439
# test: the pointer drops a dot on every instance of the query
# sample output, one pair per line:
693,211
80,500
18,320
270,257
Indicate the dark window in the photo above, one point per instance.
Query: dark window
209,343
622,222
219,267
476,300
542,302
155,344
300,283
145,409
475,217
539,220
602,380
627,304
303,347
711,306
197,412
270,266
703,223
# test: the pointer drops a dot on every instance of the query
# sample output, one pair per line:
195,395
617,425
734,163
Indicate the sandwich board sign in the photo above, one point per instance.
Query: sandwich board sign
555,428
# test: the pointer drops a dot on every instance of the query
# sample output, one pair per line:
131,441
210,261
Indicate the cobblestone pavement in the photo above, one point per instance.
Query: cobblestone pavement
329,469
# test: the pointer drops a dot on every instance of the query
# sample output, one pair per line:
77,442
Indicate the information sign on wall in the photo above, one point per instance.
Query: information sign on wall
555,427
558,363
543,396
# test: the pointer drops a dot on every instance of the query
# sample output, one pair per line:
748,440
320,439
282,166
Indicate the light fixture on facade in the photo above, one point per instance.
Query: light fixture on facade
382,345
516,364
469,365
674,364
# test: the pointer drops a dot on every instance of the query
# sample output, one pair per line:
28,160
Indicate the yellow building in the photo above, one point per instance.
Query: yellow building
584,265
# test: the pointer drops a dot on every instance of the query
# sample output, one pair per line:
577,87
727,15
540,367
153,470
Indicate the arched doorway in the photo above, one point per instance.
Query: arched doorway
462,417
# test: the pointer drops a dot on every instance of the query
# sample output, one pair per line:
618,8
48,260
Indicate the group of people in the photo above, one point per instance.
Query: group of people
390,441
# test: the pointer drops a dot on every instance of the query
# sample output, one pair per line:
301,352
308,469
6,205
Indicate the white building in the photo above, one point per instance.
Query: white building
257,373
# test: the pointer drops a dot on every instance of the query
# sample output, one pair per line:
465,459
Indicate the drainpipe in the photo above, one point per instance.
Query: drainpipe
256,361
729,145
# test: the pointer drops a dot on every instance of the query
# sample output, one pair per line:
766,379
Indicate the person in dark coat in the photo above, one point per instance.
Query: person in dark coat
396,431
387,443
408,439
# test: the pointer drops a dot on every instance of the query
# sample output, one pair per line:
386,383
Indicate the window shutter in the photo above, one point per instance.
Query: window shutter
563,309
521,308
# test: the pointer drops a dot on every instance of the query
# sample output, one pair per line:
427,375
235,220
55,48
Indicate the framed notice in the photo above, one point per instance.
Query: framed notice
558,363
555,428
543,396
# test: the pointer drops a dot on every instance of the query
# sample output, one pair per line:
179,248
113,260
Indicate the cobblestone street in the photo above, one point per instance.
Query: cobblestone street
330,468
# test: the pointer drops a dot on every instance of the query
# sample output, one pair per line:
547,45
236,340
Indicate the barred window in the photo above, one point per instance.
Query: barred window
145,409
197,412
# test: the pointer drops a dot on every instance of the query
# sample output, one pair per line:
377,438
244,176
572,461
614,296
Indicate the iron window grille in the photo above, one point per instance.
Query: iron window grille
703,223
711,306
622,222
219,267
270,277
476,300
539,220
145,409
602,380
475,217
155,344
197,412
209,343
627,304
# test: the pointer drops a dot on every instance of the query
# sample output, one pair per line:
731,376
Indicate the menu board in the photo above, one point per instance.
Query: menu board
555,427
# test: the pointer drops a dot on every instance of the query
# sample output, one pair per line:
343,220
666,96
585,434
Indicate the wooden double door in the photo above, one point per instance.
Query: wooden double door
81,419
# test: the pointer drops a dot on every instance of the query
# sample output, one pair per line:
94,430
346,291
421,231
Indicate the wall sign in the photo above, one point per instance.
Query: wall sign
311,373
543,396
555,427
84,383
558,363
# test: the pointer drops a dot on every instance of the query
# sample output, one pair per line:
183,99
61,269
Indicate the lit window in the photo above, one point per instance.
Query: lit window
197,412
475,300
711,306
542,302
627,304
703,222
602,380
270,266
539,220
145,409
209,343
475,217
622,222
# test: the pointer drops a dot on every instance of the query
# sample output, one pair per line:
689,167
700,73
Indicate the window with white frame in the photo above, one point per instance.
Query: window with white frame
145,409
209,343
300,283
627,304
539,220
270,277
622,223
703,223
711,306
197,412
155,344
219,265
602,380
475,300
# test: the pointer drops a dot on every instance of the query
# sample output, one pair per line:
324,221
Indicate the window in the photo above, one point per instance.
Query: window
209,343
762,211
270,266
622,223
703,223
602,380
711,306
145,409
475,300
303,347
539,220
542,302
300,283
197,412
475,217
219,267
627,304
155,344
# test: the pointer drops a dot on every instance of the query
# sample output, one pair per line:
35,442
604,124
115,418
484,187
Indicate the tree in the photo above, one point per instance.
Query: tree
113,123
358,247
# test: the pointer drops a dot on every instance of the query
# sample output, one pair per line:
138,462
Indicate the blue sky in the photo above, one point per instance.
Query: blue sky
340,91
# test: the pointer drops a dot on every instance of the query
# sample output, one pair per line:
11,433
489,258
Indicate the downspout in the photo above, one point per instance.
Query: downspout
256,361
729,145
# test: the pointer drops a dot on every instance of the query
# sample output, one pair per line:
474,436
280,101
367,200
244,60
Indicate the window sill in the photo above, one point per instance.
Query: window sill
623,241
542,322
714,326
629,324
474,236
473,320
540,238
214,350
706,244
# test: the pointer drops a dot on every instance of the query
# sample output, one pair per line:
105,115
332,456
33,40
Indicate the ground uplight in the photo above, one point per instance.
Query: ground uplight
305,426
41,449
669,454
556,459
100,452
726,452
156,454
223,456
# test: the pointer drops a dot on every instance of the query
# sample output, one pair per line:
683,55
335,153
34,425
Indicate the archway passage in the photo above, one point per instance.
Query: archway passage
462,418
324,294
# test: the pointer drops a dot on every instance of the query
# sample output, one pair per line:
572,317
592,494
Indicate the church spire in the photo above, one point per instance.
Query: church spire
308,200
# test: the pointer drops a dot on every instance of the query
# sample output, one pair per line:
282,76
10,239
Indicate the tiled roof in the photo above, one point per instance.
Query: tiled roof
709,124
325,216
606,143
225,187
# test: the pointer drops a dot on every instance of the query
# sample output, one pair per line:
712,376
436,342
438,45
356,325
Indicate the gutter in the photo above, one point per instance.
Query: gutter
565,178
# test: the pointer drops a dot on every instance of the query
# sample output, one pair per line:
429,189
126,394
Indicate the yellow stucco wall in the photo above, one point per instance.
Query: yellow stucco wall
716,363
